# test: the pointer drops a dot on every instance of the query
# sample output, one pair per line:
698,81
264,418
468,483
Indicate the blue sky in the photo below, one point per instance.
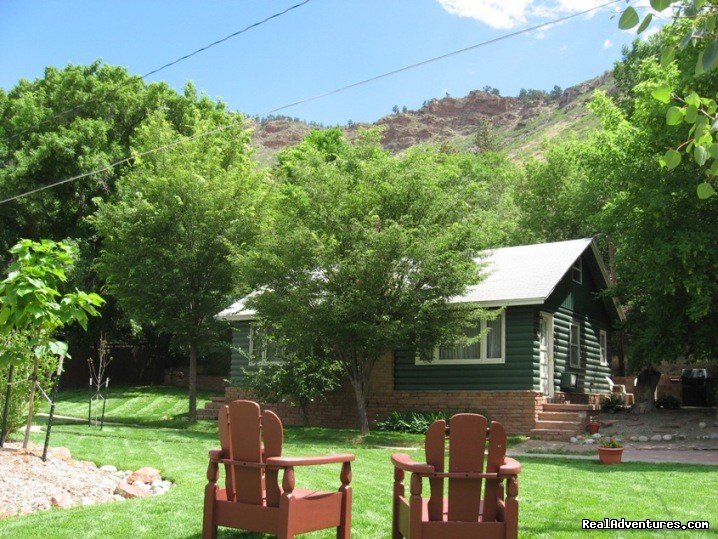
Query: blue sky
320,46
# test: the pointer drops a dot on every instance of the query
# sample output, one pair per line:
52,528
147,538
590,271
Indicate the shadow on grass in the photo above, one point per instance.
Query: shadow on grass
595,467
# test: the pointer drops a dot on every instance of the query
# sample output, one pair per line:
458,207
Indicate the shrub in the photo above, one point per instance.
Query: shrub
613,404
413,422
668,402
17,413
611,442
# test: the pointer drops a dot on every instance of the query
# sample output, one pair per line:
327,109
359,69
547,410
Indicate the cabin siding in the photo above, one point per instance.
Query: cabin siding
515,374
240,351
578,303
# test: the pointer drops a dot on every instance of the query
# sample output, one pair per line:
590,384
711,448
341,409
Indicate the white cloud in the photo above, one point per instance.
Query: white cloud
607,44
513,13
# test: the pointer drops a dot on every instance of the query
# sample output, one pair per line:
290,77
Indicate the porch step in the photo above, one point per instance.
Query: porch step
208,414
557,416
565,426
565,407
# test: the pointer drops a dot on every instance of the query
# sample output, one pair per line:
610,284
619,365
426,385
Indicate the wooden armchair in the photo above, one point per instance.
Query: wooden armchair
252,498
464,513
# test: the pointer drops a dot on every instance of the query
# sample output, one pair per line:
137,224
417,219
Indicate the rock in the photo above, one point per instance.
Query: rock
62,453
146,475
127,490
574,440
140,484
656,438
88,501
702,424
166,484
680,436
118,498
643,438
715,423
596,436
714,436
667,437
580,437
634,438
109,468
590,441
156,483
63,501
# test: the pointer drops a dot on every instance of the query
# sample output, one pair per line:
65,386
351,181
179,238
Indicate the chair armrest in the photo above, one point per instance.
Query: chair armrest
404,462
215,455
510,467
288,462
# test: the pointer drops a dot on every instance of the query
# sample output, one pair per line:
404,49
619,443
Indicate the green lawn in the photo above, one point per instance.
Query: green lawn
555,494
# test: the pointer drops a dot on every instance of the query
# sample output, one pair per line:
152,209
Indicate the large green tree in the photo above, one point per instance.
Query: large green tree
166,236
365,251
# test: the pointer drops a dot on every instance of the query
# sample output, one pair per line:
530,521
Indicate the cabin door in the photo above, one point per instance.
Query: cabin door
546,353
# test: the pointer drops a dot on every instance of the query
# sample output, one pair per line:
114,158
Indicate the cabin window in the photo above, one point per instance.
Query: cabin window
603,341
575,345
262,347
490,349
577,271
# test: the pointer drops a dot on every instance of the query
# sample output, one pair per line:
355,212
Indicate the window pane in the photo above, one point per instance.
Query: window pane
494,339
575,345
461,352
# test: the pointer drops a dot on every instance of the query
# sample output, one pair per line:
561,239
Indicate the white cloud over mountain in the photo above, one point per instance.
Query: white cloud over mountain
513,13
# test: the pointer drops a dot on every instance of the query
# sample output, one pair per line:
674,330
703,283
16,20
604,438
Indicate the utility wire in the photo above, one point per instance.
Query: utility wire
313,98
169,64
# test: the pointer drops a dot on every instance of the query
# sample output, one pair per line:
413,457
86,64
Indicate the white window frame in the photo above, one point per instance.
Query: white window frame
571,344
261,358
603,346
483,360
577,267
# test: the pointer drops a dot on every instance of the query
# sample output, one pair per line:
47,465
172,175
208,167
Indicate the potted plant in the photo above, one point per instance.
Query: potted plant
610,451
593,426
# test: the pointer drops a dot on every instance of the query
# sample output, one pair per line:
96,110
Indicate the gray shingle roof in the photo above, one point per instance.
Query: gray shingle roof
522,275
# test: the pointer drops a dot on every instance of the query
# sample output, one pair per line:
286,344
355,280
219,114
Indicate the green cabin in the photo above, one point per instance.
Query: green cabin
551,340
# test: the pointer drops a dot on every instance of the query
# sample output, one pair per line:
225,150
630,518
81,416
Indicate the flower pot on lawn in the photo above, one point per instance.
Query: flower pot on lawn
593,427
610,455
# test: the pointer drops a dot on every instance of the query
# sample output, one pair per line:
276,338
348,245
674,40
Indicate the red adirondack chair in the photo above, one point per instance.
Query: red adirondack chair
252,498
464,513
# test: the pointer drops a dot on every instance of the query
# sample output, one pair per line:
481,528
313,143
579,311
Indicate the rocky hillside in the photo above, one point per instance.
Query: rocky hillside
521,124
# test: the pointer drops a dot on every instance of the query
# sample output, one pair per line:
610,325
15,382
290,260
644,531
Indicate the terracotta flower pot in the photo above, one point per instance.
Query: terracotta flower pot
593,428
610,455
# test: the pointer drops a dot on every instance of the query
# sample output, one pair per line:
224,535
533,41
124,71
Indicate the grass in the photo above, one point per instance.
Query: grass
555,494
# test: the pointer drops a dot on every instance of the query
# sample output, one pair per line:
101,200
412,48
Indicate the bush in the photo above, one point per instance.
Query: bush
613,404
17,414
412,422
668,402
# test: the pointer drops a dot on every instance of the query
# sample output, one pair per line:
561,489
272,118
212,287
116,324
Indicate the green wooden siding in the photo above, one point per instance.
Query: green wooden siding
514,374
240,351
576,302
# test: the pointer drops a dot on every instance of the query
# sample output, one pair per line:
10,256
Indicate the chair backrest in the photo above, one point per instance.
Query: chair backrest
242,429
467,444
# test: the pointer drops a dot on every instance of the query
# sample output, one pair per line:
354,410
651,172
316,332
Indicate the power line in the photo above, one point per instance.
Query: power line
314,98
171,63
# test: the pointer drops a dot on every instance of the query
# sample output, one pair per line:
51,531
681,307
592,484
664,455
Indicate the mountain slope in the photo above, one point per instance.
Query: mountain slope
520,124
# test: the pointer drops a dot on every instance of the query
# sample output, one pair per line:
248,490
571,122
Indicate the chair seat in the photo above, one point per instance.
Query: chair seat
299,494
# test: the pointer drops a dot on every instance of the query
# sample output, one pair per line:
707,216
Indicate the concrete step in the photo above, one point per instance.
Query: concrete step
213,405
559,416
207,414
551,434
567,426
579,408
221,399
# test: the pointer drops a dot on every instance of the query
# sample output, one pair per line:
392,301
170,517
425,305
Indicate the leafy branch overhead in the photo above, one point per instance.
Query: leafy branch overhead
687,106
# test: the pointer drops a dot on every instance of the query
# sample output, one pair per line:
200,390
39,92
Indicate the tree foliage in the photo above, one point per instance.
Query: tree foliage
365,251
167,235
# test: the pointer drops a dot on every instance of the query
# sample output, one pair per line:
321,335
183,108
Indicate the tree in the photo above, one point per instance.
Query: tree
366,252
167,236
556,92
299,380
485,137
33,308
695,27
395,109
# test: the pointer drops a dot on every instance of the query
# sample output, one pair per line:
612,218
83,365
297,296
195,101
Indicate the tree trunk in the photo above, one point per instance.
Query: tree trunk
360,395
620,335
647,382
192,385
31,404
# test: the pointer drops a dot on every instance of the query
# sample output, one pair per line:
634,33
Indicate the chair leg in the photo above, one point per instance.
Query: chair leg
344,530
209,523
286,517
